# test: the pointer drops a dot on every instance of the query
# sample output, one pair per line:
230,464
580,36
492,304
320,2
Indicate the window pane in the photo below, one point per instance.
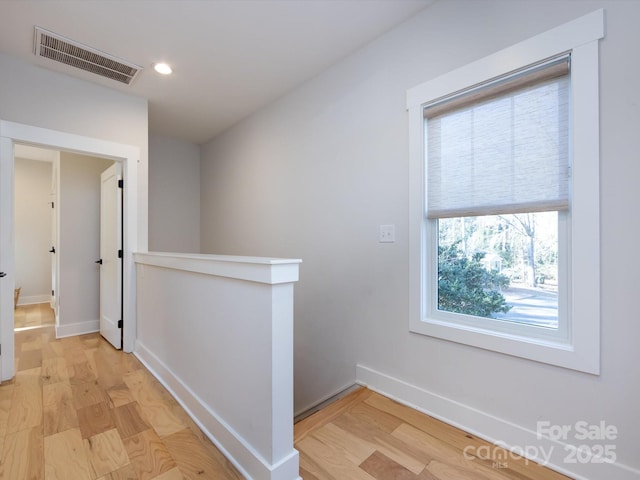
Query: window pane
500,266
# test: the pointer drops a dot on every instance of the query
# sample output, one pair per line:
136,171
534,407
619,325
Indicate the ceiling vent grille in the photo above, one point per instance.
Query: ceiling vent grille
60,49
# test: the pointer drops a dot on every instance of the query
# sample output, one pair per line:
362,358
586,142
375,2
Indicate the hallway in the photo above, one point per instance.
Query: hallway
78,409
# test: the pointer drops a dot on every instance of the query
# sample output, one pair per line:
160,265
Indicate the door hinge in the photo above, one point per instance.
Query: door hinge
52,205
119,253
121,183
119,323
52,293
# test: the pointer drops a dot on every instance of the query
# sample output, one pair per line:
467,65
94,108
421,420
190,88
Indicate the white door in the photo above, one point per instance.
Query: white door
6,257
111,255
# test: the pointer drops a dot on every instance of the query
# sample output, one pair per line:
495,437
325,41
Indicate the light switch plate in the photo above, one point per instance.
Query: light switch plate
387,234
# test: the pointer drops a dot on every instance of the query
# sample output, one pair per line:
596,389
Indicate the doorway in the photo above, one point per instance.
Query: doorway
128,156
80,293
34,232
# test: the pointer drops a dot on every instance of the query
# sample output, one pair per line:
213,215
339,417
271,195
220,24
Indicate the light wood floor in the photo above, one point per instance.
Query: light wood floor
366,436
30,316
79,409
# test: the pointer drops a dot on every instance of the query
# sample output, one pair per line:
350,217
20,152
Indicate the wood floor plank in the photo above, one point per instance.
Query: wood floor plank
58,408
118,363
130,420
373,416
327,414
35,315
447,454
74,350
105,366
439,470
443,431
22,455
125,473
91,358
193,459
408,456
331,460
95,419
427,475
354,449
311,468
81,372
6,397
148,455
173,474
158,414
26,407
65,457
54,370
307,475
207,445
87,394
130,363
19,317
29,359
90,340
35,344
106,453
382,467
120,395
127,363
48,337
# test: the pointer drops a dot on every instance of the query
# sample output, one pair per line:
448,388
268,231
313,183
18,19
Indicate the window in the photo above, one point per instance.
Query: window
497,165
504,200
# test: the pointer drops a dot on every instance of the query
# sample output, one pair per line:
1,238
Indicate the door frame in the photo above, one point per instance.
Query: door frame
128,155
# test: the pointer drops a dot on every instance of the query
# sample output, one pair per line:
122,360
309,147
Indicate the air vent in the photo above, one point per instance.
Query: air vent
60,49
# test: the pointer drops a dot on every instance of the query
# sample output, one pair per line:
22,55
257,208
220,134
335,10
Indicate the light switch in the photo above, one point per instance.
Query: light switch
387,234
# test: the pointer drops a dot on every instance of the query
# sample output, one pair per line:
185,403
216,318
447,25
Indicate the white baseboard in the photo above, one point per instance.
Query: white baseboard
33,299
80,328
496,430
250,464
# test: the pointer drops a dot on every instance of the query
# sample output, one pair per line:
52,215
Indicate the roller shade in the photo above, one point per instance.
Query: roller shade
501,147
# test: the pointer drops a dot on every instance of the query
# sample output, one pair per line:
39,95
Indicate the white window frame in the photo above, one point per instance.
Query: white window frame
577,346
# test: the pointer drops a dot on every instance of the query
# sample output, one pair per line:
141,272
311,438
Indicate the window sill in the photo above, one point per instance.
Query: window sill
562,354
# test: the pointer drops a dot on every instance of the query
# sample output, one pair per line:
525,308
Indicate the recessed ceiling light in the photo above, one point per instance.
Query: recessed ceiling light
162,68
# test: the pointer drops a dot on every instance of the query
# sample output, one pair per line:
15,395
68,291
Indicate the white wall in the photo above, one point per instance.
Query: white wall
174,195
32,232
314,175
35,96
225,350
79,289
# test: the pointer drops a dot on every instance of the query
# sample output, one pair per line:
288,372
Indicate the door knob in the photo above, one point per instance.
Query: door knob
99,261
2,274
53,250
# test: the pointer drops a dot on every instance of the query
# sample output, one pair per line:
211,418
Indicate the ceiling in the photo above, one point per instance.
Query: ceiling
229,57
